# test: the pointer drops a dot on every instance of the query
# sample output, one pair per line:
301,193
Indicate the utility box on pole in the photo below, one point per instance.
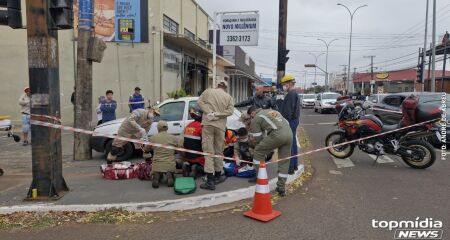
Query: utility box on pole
43,66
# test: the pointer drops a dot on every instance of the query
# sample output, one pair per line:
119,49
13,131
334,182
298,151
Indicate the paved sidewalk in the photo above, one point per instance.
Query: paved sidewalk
90,192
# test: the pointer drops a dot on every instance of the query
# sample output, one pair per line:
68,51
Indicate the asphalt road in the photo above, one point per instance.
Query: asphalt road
339,202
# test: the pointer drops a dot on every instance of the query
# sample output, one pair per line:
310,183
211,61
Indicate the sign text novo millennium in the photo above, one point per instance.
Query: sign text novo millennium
239,29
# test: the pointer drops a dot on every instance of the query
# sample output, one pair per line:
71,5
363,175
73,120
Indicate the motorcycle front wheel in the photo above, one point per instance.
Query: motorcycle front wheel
341,152
422,154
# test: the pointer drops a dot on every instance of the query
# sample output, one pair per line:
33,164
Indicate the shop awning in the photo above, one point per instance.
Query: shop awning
188,44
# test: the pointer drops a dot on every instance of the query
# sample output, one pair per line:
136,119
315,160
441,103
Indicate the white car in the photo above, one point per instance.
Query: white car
308,100
174,111
326,102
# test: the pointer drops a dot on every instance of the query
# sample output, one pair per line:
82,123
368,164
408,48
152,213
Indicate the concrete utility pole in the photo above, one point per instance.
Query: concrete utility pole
83,82
345,78
425,47
433,51
371,72
43,69
282,30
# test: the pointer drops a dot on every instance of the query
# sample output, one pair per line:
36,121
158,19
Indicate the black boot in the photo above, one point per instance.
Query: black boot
155,180
170,179
186,170
219,178
210,183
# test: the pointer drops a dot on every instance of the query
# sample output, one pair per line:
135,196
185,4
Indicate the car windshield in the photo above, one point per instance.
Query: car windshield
330,96
309,96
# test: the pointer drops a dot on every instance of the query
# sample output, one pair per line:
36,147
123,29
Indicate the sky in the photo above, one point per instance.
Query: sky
391,30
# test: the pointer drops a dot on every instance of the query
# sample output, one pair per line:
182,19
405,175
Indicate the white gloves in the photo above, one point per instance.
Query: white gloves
143,134
212,116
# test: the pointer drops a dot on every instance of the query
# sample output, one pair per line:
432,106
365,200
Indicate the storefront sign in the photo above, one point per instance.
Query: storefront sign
382,75
239,30
119,20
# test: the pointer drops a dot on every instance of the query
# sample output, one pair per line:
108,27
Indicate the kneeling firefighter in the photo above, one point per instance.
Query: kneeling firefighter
163,158
193,141
279,135
135,126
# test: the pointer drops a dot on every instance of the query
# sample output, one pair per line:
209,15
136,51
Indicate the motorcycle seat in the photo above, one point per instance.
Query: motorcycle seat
387,128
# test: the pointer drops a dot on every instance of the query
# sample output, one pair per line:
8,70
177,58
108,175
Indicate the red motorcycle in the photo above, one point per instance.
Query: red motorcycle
355,124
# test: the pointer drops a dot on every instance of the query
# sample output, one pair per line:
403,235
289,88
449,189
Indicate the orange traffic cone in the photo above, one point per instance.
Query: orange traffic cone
262,206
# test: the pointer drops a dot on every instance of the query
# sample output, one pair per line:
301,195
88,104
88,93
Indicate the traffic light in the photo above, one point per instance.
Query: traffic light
283,58
61,14
10,14
419,72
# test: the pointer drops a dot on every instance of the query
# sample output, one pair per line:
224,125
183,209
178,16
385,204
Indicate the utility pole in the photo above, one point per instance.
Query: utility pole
83,82
371,72
345,79
425,47
282,30
433,51
43,71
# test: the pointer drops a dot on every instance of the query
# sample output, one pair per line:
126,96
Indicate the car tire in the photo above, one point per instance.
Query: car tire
128,151
320,110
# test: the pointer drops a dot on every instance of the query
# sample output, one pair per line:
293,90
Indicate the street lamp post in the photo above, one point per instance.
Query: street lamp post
326,61
349,87
316,57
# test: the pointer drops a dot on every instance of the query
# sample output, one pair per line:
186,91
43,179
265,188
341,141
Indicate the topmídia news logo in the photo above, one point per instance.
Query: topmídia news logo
423,229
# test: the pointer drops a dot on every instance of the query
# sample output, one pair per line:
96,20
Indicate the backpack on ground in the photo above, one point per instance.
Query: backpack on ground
185,185
144,170
118,171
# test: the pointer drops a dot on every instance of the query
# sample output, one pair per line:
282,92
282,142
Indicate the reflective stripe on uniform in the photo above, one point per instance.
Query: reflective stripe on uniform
193,137
255,161
282,175
262,189
269,122
258,134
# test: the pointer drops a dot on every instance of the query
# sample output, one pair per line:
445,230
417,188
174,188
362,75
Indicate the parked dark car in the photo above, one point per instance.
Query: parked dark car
393,101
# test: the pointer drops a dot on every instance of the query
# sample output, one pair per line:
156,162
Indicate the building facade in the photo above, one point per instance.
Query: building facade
174,55
404,80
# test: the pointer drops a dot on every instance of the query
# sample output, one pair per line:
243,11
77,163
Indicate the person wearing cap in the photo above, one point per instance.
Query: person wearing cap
290,109
136,100
279,136
216,105
259,100
24,102
163,158
135,126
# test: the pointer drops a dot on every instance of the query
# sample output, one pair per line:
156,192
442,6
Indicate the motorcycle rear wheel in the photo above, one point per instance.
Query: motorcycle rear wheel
341,152
417,161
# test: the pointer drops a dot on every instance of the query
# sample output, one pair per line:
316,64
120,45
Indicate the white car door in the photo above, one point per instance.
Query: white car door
174,113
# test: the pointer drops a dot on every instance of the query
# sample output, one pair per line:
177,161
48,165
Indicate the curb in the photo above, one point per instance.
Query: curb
188,203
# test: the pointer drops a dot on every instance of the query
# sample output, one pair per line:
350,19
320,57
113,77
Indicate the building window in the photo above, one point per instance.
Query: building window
189,34
172,59
202,42
170,25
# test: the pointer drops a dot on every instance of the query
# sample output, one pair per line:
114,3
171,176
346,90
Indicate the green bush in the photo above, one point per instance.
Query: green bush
178,94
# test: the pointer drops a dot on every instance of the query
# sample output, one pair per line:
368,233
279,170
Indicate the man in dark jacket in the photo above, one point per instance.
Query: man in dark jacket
290,109
108,107
259,100
136,100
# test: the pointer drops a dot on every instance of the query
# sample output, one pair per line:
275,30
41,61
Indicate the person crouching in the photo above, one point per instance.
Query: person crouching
163,158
